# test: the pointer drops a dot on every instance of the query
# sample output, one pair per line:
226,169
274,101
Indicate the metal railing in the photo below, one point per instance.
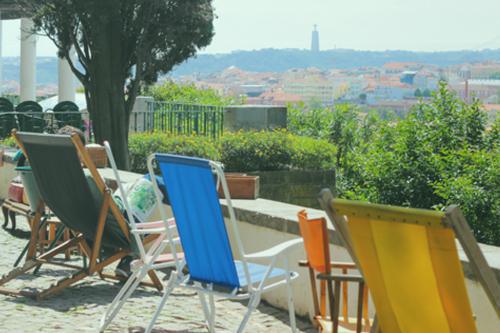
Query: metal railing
175,118
42,122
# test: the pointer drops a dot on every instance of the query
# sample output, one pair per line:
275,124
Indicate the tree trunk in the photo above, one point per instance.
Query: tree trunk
109,119
105,94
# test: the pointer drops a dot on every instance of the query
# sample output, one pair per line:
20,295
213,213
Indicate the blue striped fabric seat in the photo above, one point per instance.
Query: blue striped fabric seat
195,203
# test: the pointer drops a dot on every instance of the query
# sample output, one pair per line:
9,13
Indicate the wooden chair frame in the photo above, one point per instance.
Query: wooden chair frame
92,253
341,281
48,226
453,219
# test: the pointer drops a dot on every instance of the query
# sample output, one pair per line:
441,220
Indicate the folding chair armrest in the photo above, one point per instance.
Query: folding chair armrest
340,277
275,250
304,263
343,264
333,264
156,227
156,224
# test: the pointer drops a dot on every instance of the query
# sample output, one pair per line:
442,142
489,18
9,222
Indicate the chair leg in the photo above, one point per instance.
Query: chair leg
212,311
374,328
156,281
5,212
23,252
336,306
67,253
252,305
125,292
366,317
291,307
168,290
208,310
50,247
359,319
12,215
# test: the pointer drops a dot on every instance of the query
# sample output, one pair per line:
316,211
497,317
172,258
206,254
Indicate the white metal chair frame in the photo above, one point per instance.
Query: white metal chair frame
147,259
253,292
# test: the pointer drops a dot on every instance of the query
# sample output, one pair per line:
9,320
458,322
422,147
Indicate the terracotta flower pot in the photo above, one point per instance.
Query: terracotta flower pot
98,155
241,186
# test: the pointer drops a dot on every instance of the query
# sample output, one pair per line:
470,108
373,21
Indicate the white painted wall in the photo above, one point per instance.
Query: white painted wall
257,238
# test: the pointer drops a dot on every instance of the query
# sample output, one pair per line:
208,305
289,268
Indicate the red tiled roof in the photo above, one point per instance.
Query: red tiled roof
399,65
492,107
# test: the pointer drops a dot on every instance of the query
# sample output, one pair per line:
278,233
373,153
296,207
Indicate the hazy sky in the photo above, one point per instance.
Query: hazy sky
429,25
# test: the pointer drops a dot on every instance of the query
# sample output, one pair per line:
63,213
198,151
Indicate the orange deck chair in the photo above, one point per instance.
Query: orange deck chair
315,234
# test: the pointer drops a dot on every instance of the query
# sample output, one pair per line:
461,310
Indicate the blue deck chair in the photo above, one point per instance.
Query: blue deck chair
208,266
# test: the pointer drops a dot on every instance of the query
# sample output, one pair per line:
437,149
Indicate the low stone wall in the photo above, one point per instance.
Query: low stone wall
255,117
295,186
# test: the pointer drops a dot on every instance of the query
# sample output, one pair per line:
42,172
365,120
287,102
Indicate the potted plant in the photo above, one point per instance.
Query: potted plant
241,186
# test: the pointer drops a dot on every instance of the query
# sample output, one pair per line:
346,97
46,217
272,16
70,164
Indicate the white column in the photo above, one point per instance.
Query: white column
1,55
28,61
66,80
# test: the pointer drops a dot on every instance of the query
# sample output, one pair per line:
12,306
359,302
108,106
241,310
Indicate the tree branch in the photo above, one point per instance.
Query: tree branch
83,58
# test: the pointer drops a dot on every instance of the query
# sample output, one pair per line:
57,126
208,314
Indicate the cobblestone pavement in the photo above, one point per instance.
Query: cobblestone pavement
79,308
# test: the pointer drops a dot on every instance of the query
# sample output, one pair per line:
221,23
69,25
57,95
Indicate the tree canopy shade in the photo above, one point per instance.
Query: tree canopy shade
121,44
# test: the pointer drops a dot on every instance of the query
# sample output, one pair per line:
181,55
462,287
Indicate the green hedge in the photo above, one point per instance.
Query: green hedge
312,154
144,144
251,151
240,151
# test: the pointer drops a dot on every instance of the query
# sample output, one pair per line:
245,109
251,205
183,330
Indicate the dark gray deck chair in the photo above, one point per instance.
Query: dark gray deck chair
83,206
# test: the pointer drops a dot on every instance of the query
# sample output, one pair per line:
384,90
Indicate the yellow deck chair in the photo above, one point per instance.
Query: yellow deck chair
410,262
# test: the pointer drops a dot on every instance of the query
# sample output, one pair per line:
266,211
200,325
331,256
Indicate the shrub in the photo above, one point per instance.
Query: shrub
314,123
441,154
240,151
188,93
311,154
143,144
473,183
255,151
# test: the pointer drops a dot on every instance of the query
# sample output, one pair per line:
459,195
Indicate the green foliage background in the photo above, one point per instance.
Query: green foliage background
189,94
442,153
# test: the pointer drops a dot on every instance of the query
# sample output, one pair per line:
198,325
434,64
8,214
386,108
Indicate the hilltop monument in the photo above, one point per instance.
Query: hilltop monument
315,40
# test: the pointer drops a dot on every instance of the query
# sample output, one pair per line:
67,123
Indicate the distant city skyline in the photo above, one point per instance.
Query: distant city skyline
428,25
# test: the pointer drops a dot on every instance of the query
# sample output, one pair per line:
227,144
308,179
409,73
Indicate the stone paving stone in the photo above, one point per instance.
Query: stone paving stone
79,308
